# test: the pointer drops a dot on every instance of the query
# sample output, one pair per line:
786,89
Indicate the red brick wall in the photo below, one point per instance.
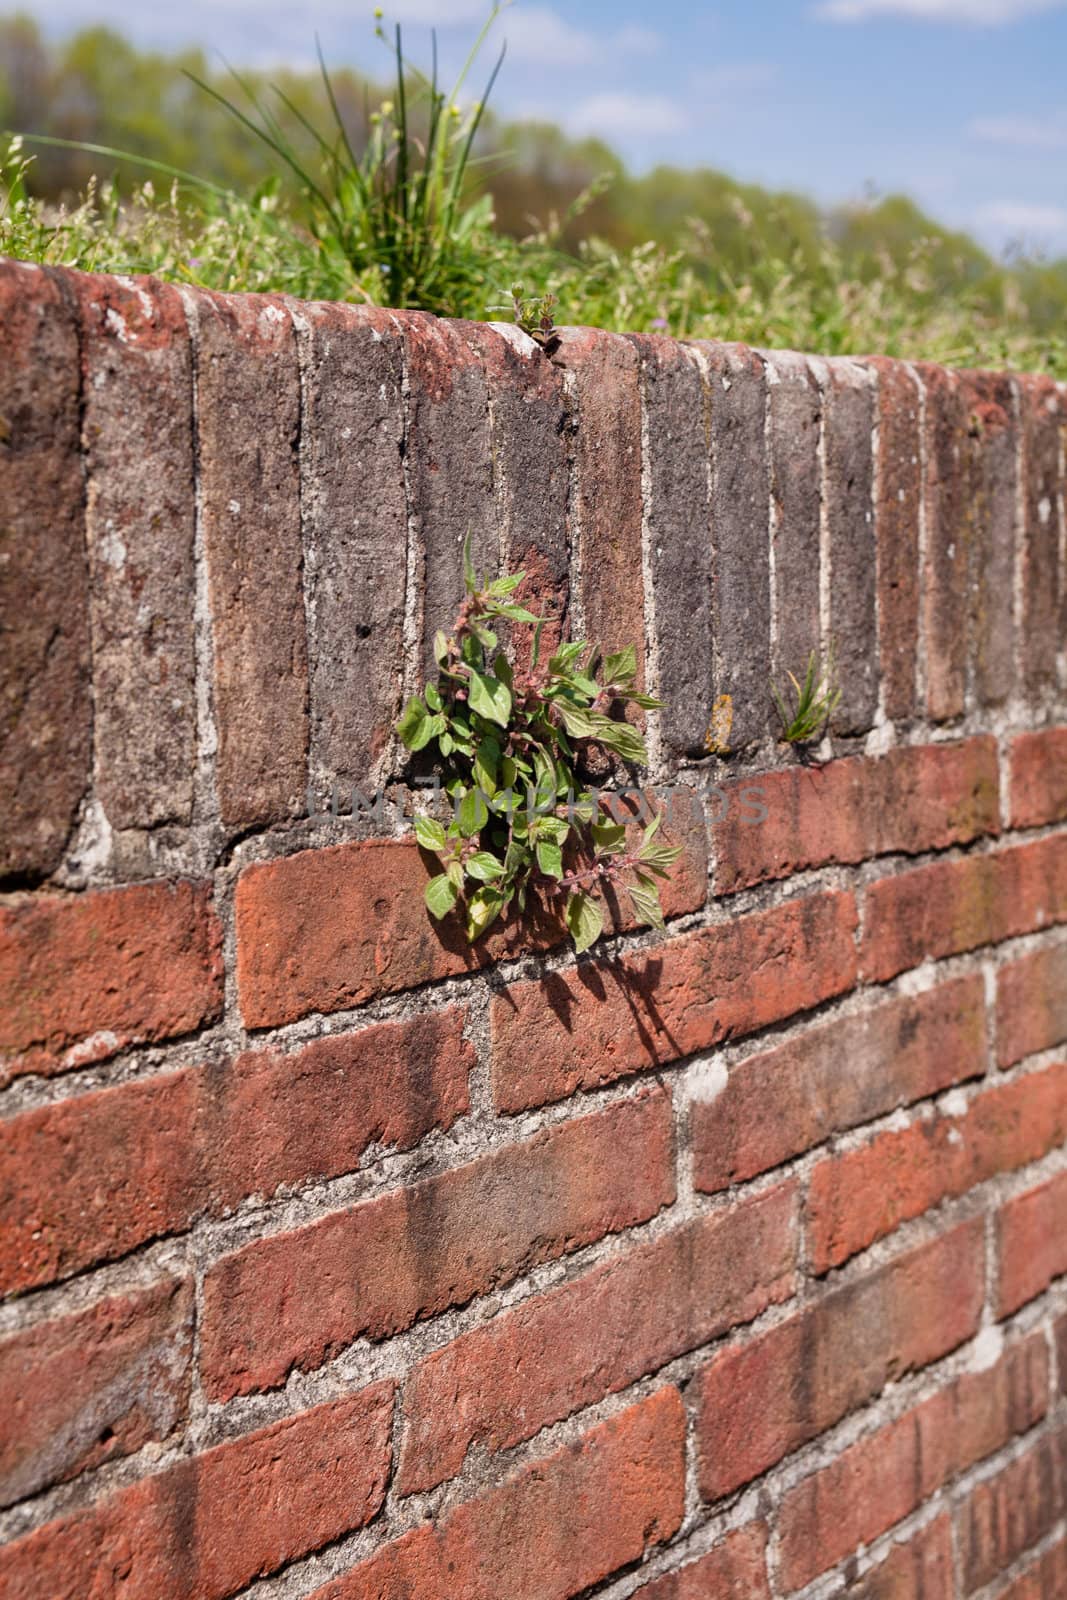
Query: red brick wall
719,1263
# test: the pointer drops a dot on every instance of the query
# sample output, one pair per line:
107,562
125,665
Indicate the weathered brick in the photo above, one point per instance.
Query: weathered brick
552,1530
208,1526
947,559
295,1299
355,531
91,1178
779,1103
1042,422
763,1399
531,430
861,1195
45,714
740,537
138,434
735,1570
552,1355
1047,1577
85,1388
450,468
248,427
897,517
592,1024
1039,778
991,450
1032,1243
1032,1004
916,798
952,906
1008,1513
795,418
887,1475
921,1569
604,372
272,1119
324,930
848,424
83,976
676,422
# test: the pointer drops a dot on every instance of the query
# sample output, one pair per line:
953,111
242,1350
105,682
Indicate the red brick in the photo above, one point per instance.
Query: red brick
604,368
887,1475
919,1570
272,1119
783,1101
899,494
553,1529
917,798
990,457
952,906
91,1178
1032,1004
1032,1240
1043,420
248,427
734,1570
503,1381
45,708
949,537
862,1195
1039,778
355,517
137,431
763,1399
296,1299
590,1025
83,1389
848,473
1008,1513
1044,1580
83,976
325,930
1060,1331
208,1526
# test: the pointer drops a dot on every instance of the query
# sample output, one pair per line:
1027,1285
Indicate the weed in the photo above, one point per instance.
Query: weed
815,699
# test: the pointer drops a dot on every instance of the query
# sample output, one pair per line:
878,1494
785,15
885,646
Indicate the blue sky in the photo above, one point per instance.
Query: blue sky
960,103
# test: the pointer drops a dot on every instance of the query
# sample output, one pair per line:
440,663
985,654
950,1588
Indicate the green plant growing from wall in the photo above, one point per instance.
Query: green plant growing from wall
814,700
510,742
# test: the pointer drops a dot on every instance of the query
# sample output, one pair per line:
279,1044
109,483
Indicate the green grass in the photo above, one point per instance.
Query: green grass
395,206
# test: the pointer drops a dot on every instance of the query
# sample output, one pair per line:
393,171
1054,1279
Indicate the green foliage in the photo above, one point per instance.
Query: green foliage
509,743
814,701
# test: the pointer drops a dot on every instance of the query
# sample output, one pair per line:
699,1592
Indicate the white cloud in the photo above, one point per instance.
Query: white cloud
619,112
537,33
977,13
1021,220
734,78
1025,133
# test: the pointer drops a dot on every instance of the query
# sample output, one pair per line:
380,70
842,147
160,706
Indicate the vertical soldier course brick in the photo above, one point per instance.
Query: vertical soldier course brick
140,515
45,718
1042,411
248,421
796,408
991,482
848,421
947,563
897,516
677,421
355,533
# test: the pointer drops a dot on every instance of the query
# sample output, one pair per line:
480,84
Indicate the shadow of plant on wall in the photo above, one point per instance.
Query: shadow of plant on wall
514,747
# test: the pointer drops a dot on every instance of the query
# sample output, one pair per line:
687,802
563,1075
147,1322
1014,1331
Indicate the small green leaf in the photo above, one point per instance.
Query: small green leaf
515,614
483,907
609,836
578,723
624,740
429,833
433,699
490,698
483,866
585,920
553,828
412,723
440,648
440,894
473,814
647,702
469,577
550,858
646,904
506,585
621,668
